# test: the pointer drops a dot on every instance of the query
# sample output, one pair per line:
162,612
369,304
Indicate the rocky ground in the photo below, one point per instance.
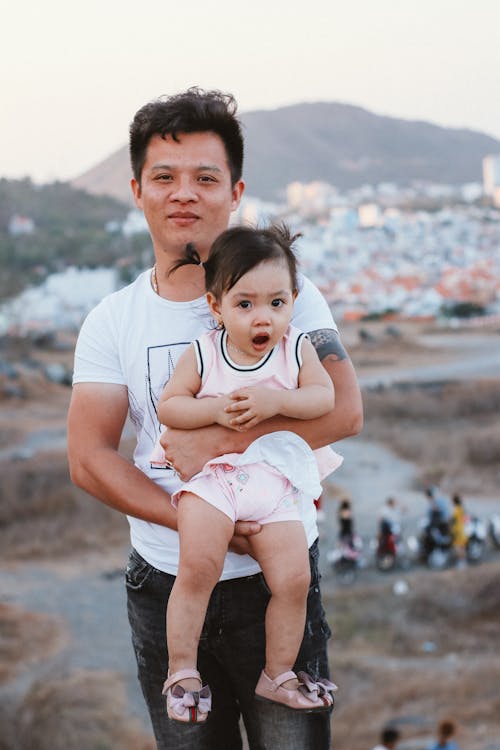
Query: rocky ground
407,658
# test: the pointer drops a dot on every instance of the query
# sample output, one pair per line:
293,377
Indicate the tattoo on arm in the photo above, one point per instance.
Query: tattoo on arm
327,343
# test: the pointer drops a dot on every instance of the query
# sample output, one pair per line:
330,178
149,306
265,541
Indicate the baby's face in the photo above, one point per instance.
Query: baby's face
257,310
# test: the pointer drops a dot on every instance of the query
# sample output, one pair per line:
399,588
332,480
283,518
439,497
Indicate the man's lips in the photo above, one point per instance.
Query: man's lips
183,217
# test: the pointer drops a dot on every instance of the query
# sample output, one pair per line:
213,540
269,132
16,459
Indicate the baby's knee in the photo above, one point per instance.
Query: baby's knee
293,583
302,580
197,574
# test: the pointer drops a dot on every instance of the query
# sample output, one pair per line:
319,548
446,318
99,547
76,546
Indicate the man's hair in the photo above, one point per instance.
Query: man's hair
239,249
191,111
389,734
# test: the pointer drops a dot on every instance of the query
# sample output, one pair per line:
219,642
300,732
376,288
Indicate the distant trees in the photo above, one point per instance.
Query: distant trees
462,310
69,229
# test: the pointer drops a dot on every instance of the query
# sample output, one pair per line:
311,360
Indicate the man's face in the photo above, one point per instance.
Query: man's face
186,192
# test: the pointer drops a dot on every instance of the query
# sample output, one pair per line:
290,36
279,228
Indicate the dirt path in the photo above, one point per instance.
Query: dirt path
88,595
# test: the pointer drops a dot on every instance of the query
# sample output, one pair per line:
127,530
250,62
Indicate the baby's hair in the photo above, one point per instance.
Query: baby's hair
239,249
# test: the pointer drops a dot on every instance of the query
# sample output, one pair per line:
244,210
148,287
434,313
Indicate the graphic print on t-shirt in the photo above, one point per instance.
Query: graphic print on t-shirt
161,361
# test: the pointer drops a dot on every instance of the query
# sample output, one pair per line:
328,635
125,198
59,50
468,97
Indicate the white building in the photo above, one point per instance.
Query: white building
491,177
310,199
21,225
135,223
369,215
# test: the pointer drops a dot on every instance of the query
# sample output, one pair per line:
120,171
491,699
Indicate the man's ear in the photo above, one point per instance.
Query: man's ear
136,192
237,193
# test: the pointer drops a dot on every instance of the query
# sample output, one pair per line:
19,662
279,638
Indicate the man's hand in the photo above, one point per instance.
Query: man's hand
186,450
189,450
242,530
252,405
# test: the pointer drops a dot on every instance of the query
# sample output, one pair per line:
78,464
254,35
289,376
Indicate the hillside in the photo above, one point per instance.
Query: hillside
341,144
68,227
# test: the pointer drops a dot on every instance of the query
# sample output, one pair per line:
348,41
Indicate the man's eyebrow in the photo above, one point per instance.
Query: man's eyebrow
209,168
199,168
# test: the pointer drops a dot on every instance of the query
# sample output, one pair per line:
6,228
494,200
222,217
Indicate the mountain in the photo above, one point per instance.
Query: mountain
344,145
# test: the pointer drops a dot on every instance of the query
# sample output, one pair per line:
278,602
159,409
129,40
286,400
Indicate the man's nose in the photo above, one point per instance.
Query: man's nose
184,190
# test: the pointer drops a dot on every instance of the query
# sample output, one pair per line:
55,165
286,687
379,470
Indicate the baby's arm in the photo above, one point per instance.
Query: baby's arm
313,398
178,406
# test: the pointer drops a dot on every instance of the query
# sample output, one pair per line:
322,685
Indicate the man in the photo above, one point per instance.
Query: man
187,154
390,518
439,506
439,511
388,739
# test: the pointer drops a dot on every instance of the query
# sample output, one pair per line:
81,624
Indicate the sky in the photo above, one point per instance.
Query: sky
72,75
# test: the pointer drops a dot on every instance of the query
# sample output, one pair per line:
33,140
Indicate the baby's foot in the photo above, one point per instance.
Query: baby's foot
190,685
291,684
187,700
299,692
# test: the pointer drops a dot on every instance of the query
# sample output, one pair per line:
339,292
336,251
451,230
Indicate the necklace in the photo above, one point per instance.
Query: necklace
154,280
235,348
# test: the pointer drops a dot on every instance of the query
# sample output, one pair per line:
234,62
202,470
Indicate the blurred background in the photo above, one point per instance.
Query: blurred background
372,128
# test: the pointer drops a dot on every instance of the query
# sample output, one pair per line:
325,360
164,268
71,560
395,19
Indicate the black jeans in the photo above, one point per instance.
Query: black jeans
230,659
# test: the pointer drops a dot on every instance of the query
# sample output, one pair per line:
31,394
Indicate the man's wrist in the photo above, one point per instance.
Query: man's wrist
230,441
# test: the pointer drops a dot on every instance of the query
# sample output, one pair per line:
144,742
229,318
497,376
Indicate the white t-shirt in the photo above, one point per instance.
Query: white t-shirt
135,338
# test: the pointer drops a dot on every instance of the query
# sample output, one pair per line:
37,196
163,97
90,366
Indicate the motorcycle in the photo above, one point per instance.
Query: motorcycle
494,530
345,560
435,546
386,551
391,549
476,532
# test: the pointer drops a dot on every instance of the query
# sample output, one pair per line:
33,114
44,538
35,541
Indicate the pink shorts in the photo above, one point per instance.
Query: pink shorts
255,492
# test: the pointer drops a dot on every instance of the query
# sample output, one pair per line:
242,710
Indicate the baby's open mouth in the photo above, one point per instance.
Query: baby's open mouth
261,338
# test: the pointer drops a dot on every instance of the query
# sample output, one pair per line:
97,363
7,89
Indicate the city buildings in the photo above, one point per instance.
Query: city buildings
380,250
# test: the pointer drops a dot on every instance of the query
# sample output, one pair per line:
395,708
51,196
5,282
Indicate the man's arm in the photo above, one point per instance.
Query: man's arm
188,451
346,418
96,418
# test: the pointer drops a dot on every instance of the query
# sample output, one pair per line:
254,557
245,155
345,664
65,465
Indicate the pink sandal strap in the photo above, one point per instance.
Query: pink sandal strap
182,674
281,678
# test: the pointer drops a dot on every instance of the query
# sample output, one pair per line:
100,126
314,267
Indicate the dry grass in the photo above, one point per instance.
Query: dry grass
386,675
26,637
43,515
81,711
451,431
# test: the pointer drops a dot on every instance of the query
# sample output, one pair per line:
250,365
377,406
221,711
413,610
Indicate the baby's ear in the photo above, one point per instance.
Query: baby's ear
214,307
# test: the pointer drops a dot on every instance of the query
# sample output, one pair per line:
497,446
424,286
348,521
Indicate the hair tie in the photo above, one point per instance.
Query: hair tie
193,255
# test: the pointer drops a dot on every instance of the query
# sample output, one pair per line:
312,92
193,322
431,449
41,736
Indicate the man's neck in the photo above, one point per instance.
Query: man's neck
183,285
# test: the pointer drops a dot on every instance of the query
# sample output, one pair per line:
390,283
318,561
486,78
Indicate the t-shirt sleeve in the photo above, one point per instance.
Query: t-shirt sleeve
97,357
311,311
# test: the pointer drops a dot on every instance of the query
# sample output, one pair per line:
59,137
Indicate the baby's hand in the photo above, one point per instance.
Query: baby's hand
221,415
249,406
